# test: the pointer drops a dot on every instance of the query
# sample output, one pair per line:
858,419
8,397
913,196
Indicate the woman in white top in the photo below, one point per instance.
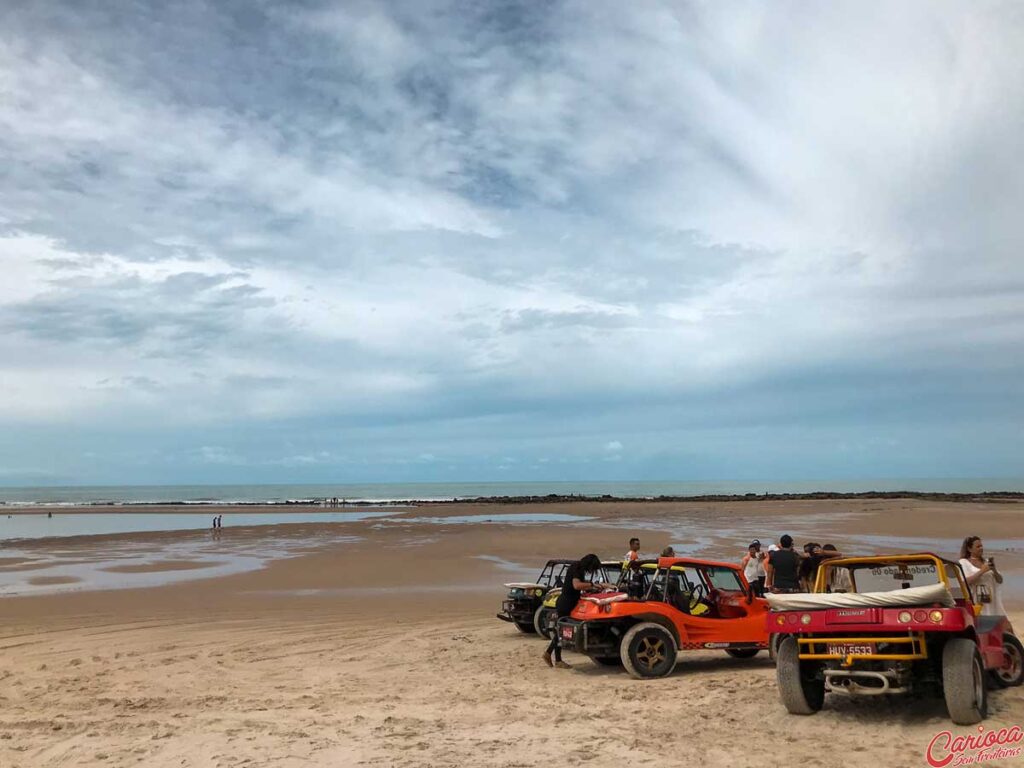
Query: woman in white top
982,576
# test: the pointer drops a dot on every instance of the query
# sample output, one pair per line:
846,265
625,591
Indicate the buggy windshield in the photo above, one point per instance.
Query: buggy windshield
886,576
722,578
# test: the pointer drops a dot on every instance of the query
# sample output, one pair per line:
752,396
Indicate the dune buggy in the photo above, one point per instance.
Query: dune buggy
689,604
634,575
524,598
908,622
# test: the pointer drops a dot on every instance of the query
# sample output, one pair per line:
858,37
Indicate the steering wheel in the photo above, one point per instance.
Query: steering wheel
698,593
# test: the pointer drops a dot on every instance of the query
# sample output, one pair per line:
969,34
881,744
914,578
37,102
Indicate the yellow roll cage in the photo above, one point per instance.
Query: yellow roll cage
821,582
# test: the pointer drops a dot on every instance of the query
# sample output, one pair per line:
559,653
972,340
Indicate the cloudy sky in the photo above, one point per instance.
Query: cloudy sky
428,240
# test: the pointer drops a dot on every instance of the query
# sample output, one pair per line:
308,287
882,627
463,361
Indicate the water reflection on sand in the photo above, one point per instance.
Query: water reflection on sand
40,525
91,565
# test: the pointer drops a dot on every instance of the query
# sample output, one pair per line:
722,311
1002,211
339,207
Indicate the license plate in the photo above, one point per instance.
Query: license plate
567,633
849,650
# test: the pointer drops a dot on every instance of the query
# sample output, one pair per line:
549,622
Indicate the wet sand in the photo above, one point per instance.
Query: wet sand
381,648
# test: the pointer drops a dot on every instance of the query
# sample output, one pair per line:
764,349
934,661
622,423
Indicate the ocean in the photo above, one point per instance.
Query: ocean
403,492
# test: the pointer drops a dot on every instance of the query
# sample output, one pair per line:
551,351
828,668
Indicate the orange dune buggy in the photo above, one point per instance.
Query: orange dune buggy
690,604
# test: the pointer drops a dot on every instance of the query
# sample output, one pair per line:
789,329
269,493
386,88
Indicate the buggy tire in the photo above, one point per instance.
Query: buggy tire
743,653
542,621
963,681
801,687
607,661
648,650
1011,674
525,628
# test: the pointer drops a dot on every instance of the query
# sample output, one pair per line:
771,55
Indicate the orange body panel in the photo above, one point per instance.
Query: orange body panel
732,618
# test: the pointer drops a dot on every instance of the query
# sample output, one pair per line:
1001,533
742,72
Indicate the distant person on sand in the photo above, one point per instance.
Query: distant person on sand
982,576
578,579
634,550
753,567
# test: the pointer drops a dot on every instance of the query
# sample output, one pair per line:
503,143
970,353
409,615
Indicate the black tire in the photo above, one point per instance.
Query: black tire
607,661
801,685
743,653
525,628
1011,674
542,621
648,650
963,682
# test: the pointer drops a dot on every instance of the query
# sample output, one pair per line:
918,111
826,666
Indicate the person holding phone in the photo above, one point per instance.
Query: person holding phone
982,576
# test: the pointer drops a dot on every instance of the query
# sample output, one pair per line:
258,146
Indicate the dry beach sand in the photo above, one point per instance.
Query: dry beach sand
376,644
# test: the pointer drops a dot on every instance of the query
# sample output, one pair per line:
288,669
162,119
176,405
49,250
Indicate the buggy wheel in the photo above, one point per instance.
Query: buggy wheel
963,682
1012,672
742,653
801,685
542,621
525,627
648,650
607,661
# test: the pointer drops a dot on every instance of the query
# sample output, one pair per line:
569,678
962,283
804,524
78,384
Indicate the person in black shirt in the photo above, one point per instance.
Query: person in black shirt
578,579
785,566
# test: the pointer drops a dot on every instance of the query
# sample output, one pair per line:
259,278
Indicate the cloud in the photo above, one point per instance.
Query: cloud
496,233
215,454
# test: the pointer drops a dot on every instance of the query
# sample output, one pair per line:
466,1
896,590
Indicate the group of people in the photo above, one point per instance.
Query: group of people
780,569
783,569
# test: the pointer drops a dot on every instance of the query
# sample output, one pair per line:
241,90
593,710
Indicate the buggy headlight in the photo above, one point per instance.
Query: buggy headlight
539,592
936,616
904,617
780,620
805,619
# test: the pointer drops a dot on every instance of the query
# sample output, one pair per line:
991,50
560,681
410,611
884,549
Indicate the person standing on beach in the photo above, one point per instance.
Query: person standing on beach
753,567
839,579
634,550
982,576
578,579
782,570
809,566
